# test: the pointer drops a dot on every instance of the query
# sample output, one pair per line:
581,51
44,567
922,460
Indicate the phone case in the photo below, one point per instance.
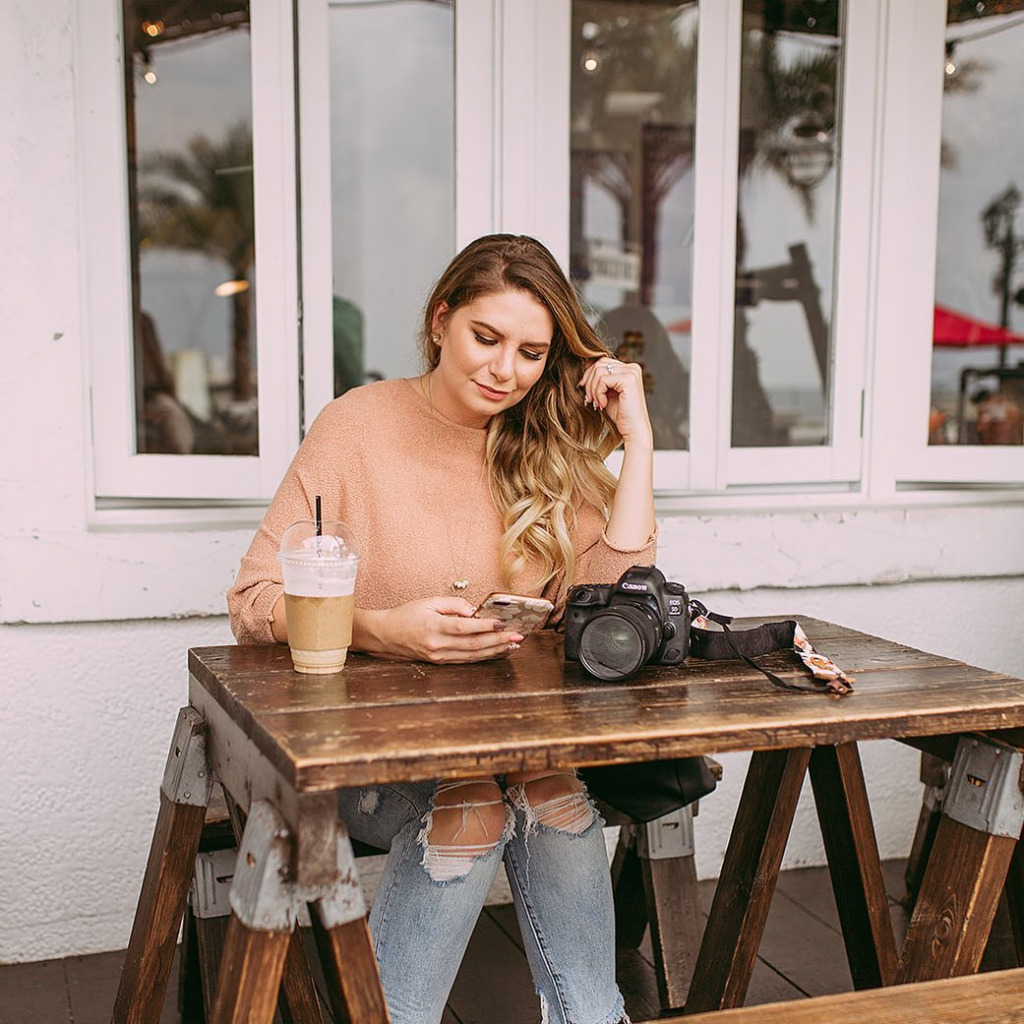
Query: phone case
522,614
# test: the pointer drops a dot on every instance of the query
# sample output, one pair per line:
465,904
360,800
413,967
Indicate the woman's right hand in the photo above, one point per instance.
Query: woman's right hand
436,629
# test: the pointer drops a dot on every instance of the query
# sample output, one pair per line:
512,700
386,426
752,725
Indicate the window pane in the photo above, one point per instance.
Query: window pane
631,209
978,354
786,221
189,117
393,177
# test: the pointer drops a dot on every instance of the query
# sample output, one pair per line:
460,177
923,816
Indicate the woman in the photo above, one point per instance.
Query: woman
485,473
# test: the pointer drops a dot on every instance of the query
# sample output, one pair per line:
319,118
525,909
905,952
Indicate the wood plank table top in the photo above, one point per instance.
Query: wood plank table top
383,720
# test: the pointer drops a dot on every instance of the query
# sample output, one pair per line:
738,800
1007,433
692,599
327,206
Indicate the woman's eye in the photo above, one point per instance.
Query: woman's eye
484,340
535,356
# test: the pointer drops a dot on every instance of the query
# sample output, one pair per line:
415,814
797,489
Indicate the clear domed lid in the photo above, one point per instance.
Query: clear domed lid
301,542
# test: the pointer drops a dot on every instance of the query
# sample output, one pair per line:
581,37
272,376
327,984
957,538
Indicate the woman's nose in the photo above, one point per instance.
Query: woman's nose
503,364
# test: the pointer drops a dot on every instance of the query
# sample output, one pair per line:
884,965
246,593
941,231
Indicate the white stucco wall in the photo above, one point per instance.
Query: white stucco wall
96,611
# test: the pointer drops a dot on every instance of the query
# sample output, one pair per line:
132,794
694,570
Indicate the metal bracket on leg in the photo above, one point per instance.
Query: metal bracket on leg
984,789
211,883
668,836
187,778
262,895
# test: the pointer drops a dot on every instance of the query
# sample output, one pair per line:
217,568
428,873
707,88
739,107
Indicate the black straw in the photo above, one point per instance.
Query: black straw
319,518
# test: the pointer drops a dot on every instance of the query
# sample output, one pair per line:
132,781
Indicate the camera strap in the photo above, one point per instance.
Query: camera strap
746,644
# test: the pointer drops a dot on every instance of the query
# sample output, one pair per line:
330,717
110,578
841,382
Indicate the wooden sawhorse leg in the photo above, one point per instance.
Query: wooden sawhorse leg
350,967
654,880
933,775
184,794
665,849
210,905
747,883
264,908
206,919
977,837
851,849
1015,898
209,920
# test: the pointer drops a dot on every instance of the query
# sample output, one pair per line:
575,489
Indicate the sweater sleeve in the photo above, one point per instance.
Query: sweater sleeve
600,561
597,559
259,582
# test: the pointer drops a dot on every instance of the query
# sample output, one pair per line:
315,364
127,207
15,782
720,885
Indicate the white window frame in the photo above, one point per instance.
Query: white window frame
711,464
118,471
478,171
840,460
717,466
906,297
512,173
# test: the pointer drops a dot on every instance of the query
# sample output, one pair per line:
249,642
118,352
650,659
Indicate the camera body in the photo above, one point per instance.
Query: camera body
613,629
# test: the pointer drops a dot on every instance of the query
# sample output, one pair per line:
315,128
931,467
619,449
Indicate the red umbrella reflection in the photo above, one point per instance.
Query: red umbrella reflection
957,329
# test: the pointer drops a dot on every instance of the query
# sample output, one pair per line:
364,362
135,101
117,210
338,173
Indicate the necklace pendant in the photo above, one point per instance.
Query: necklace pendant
459,585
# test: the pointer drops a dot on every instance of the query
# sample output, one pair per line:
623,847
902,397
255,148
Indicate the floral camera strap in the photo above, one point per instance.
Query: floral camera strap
746,644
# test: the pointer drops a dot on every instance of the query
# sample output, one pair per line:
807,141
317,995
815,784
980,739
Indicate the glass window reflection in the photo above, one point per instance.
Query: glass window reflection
786,222
633,83
189,134
977,385
392,177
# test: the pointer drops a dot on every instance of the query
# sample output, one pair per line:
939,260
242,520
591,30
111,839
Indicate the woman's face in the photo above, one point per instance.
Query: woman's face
492,351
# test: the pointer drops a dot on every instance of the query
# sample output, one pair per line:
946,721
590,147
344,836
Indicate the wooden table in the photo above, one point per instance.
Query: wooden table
282,743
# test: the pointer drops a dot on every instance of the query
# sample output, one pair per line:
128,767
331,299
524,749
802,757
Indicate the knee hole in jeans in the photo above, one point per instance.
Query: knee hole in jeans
555,800
466,821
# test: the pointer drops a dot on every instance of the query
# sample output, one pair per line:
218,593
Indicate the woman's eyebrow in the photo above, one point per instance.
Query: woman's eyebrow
488,327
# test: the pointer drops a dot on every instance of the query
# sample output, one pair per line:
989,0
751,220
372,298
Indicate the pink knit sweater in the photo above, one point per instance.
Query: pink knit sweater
410,485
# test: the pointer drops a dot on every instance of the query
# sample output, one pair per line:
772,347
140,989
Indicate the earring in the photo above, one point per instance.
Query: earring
436,339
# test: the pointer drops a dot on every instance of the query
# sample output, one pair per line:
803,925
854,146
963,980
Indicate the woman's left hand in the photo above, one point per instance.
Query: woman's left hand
618,389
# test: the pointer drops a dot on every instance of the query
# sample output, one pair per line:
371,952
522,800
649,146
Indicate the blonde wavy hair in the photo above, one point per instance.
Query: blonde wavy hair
546,452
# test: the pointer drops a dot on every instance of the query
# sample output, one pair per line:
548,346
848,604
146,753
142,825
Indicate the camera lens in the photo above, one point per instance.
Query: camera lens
616,642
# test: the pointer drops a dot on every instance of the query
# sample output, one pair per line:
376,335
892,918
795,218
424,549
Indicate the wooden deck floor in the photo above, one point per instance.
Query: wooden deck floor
801,955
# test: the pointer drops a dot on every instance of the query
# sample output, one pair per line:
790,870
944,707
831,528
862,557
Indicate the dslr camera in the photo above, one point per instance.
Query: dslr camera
613,629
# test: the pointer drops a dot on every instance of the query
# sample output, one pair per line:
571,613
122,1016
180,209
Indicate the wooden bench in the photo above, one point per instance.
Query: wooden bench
994,998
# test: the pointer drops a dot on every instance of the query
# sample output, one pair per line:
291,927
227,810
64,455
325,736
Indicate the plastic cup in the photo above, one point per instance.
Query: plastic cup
319,593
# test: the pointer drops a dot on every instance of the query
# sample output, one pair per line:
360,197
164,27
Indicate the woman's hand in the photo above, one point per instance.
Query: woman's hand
436,629
618,389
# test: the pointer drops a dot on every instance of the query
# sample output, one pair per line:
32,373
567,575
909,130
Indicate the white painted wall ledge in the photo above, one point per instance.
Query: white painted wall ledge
790,549
177,572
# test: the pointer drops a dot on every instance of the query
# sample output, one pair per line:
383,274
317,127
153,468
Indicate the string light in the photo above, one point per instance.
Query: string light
952,68
590,30
227,288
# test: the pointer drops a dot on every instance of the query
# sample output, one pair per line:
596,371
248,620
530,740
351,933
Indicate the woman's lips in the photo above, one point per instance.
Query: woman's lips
491,393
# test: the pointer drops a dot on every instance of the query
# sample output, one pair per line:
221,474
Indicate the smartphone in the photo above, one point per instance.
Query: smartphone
522,614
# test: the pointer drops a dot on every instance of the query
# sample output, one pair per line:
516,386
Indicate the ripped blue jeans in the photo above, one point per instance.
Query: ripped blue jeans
446,842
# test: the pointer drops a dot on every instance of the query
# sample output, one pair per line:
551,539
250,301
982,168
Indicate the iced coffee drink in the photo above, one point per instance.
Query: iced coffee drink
319,571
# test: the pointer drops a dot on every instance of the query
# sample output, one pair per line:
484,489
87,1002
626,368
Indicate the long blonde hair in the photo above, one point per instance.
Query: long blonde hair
547,451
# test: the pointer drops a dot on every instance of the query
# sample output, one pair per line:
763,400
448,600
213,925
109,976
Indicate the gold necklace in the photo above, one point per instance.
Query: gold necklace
459,583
